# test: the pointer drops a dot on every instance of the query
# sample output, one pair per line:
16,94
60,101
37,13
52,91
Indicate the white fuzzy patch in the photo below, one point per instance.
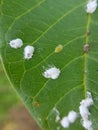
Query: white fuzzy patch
52,73
87,124
16,43
28,52
72,116
84,111
87,102
65,122
91,6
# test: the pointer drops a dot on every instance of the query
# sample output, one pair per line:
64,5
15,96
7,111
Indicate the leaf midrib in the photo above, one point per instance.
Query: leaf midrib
86,55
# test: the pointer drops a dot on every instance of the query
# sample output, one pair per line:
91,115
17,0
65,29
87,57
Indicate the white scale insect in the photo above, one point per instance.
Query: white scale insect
72,116
16,43
65,122
28,52
52,73
91,6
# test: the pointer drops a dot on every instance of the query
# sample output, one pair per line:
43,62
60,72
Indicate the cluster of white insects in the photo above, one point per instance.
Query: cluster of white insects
28,50
70,118
66,121
54,72
84,111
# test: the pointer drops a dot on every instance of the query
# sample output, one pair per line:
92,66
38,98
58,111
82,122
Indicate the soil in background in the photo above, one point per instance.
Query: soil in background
20,119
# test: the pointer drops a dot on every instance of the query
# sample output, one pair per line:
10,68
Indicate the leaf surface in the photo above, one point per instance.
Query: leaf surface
45,24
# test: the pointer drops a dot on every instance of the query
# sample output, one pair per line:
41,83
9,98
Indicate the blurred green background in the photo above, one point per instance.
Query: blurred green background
8,97
13,114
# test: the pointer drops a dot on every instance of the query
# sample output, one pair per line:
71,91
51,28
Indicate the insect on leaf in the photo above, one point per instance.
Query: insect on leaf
44,25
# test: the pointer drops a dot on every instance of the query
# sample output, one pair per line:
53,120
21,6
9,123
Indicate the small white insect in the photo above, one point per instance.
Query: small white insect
65,122
91,6
87,124
72,116
16,43
28,52
52,73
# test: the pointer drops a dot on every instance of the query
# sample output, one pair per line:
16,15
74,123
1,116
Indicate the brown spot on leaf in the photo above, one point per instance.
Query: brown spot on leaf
86,48
88,33
36,104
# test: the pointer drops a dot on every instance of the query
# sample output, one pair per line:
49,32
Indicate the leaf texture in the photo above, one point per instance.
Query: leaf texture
45,24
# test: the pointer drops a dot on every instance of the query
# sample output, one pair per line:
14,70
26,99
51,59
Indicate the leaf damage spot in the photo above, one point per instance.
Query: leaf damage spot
84,111
36,104
28,52
52,73
58,48
91,6
88,33
16,43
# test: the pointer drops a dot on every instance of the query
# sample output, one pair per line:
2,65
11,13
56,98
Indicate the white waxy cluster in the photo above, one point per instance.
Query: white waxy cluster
67,120
28,52
84,111
52,73
91,6
72,116
16,43
87,124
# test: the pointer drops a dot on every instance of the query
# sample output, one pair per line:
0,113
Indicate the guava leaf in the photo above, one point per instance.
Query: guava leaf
45,24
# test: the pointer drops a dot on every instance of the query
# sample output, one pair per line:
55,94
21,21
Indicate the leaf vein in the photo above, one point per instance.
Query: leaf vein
63,96
63,68
26,12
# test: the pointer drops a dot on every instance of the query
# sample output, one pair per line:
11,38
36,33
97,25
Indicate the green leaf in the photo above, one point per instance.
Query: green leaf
45,24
